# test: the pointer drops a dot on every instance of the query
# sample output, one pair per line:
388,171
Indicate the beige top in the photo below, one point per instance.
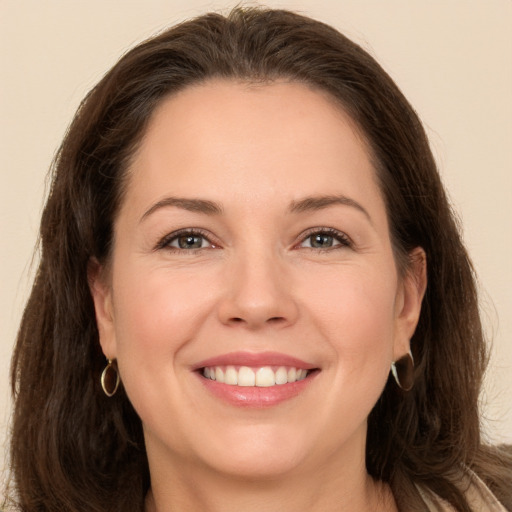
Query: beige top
479,497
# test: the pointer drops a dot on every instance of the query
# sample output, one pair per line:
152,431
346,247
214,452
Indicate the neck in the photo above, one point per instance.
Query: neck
327,488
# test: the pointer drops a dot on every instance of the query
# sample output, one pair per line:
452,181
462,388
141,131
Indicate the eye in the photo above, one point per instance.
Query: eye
185,240
189,241
325,239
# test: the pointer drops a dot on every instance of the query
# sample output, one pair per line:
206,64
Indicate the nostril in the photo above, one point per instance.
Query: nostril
272,320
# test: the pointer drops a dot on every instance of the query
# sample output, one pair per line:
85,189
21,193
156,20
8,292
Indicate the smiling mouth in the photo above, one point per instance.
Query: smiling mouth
263,377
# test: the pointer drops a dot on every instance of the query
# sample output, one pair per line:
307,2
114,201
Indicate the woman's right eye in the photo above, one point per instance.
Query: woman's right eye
189,242
185,241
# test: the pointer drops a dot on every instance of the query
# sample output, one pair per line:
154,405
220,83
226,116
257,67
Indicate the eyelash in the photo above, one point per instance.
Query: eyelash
342,238
165,242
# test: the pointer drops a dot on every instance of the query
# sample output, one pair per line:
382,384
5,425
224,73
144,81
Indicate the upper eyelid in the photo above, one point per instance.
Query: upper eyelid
167,239
324,230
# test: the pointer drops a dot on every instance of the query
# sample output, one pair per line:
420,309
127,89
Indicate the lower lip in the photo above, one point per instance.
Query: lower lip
257,397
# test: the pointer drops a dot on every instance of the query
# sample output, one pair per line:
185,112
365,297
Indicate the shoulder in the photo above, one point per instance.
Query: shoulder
477,494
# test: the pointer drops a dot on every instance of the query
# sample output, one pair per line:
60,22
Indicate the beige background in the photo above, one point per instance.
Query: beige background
452,59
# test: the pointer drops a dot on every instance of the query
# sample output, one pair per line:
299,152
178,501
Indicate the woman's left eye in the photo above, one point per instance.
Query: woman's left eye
325,240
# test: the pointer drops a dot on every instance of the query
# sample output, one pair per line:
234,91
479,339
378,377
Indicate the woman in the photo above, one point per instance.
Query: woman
232,309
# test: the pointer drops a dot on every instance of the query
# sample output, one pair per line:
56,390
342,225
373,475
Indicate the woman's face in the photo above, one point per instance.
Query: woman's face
253,246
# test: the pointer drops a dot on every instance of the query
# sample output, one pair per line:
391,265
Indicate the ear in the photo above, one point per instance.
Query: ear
101,291
409,298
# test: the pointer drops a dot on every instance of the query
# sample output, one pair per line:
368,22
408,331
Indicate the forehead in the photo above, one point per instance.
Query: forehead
227,135
293,109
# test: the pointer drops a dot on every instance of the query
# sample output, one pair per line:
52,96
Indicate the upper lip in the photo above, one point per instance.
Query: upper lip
255,360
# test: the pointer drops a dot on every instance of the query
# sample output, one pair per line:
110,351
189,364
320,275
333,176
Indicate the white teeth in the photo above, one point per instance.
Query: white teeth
231,376
281,376
264,376
246,377
302,374
219,374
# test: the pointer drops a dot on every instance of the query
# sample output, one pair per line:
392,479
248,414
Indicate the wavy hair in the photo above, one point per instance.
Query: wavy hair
72,448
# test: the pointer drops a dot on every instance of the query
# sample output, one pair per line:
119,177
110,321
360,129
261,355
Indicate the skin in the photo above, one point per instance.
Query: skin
256,284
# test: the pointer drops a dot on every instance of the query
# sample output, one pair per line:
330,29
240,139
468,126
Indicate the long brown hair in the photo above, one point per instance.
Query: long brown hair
73,449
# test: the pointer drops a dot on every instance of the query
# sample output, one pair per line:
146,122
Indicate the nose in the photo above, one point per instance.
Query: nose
258,294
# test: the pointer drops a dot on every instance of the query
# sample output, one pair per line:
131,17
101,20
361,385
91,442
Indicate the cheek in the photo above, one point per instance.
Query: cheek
355,311
157,311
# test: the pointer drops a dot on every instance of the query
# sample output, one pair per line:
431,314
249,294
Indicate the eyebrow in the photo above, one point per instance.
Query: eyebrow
192,205
207,207
314,203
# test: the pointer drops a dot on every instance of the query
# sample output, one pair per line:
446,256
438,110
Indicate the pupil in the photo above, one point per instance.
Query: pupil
321,241
190,242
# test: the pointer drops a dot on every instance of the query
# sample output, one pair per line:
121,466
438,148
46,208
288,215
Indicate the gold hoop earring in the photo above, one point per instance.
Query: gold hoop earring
403,372
109,383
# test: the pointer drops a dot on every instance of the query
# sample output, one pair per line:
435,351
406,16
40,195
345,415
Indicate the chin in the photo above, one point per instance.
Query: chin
265,452
257,468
